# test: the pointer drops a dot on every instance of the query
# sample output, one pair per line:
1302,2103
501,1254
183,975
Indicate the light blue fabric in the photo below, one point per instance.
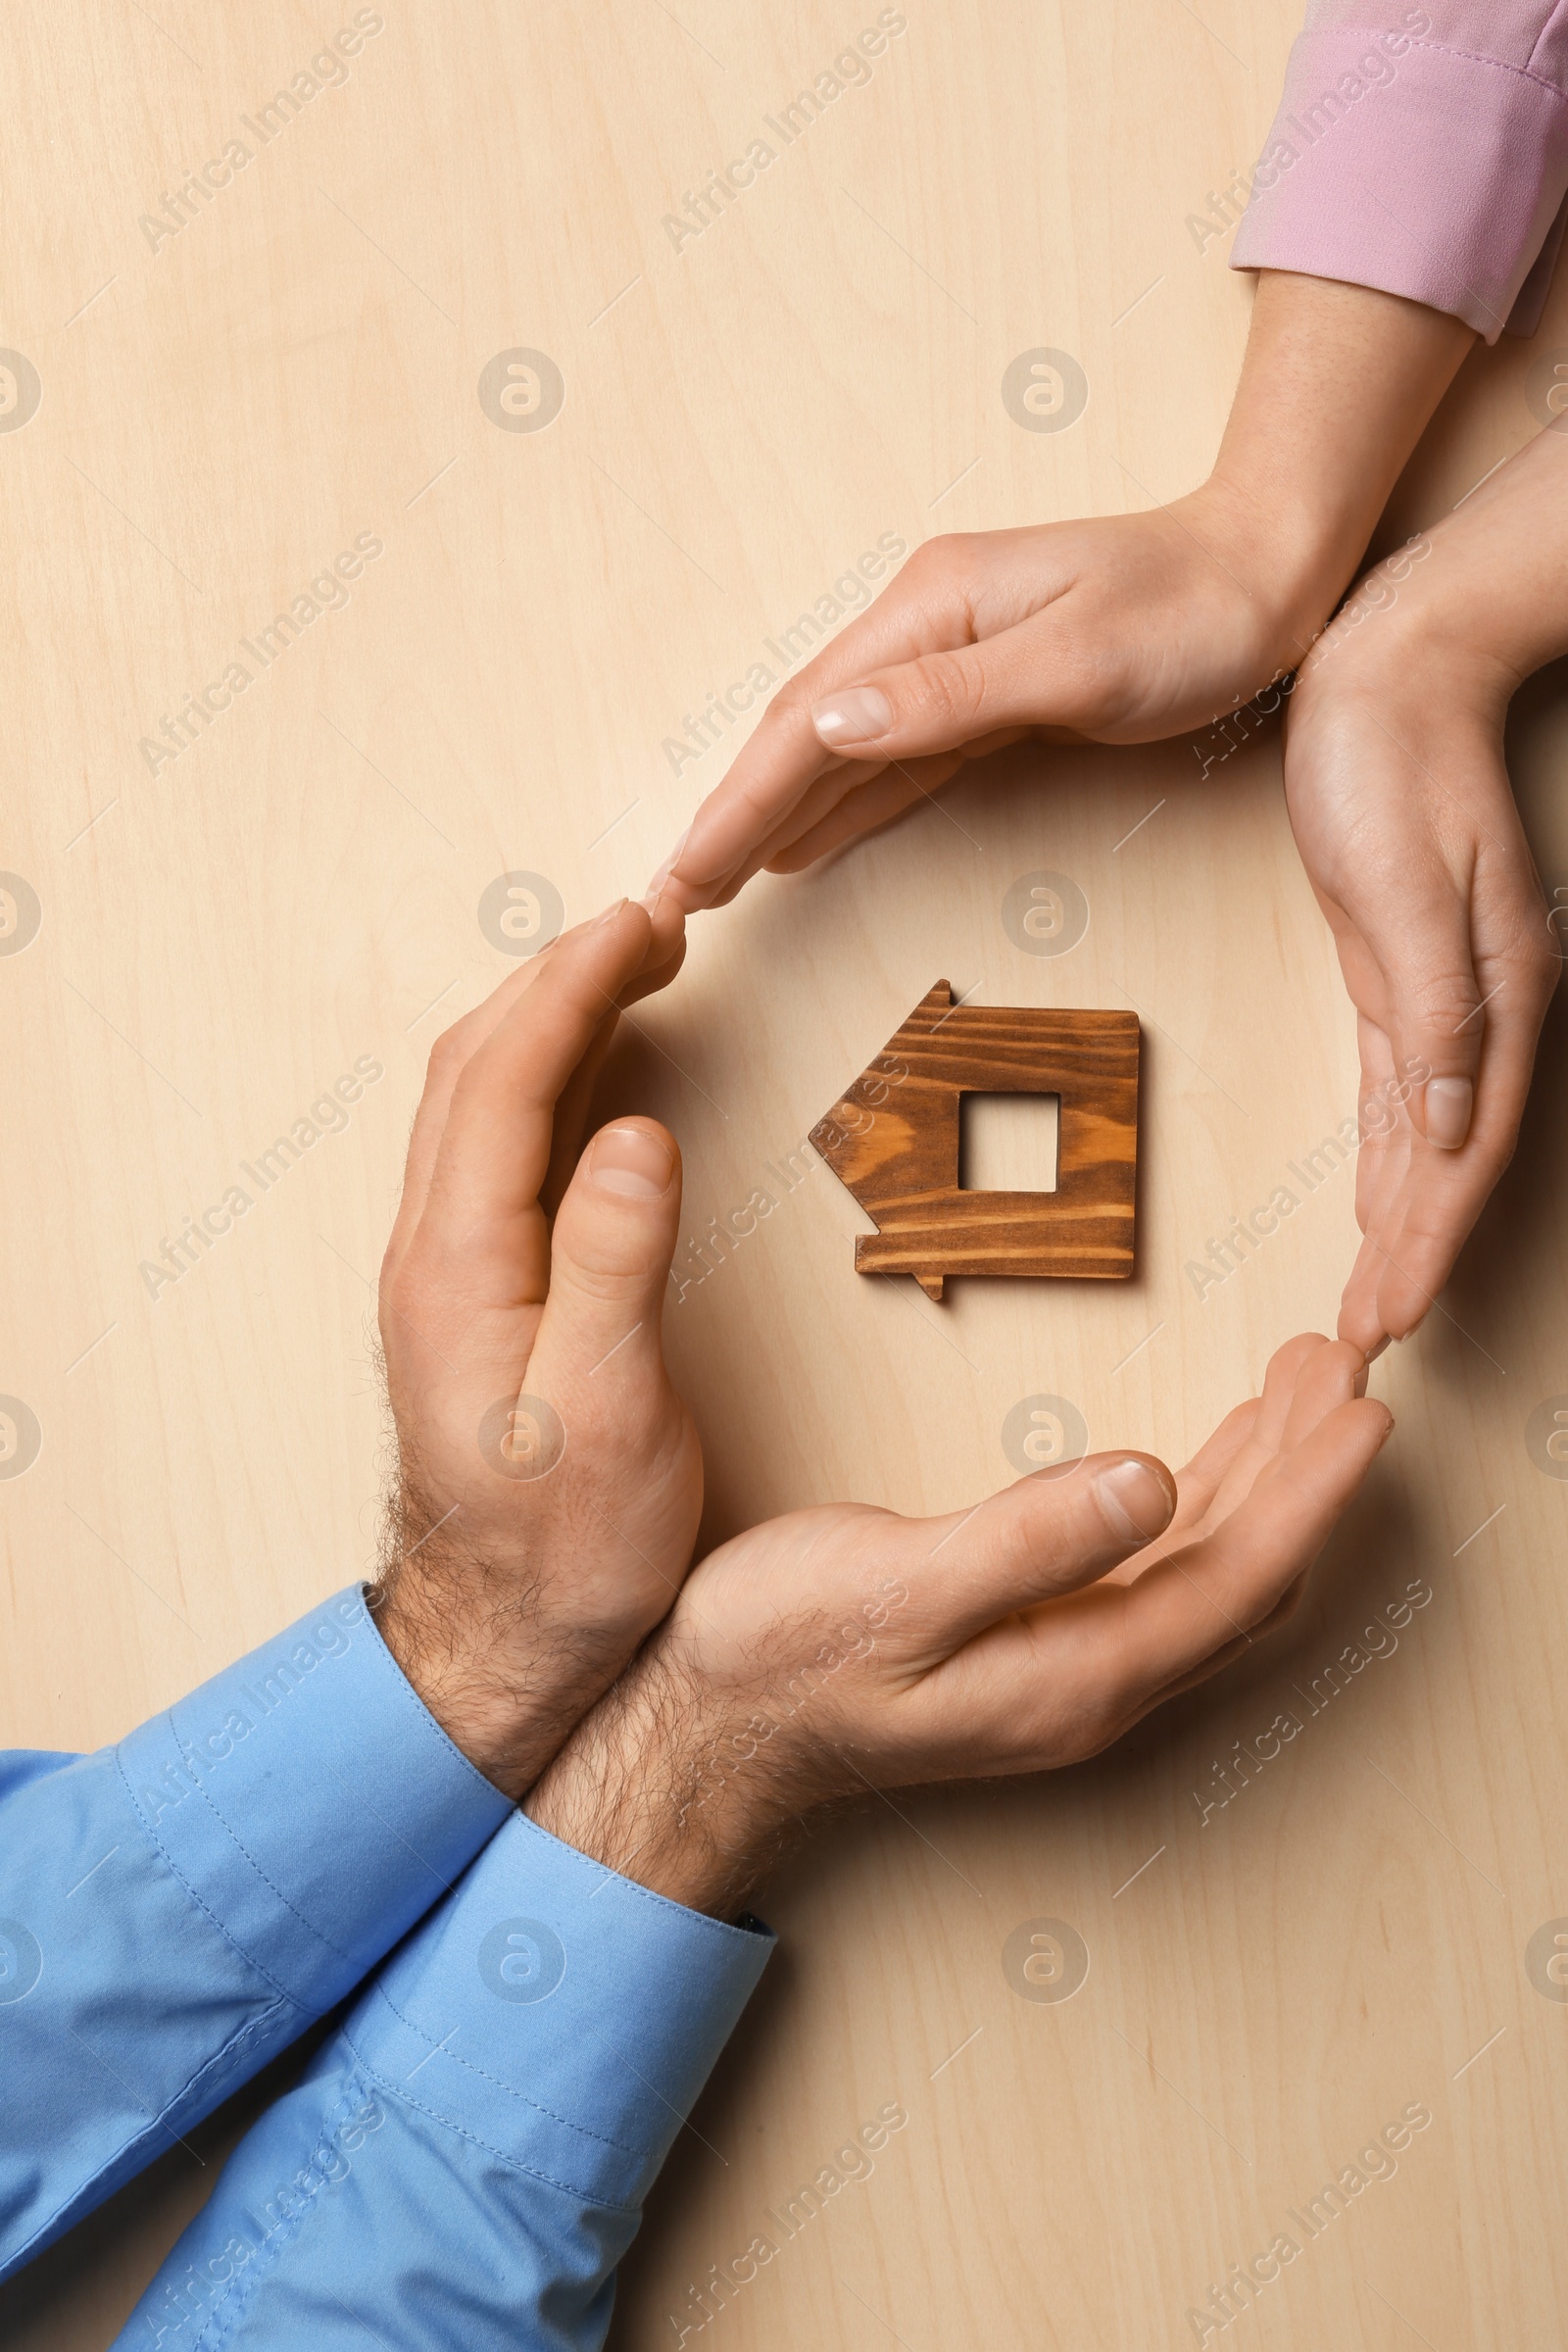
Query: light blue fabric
464,2160
175,1910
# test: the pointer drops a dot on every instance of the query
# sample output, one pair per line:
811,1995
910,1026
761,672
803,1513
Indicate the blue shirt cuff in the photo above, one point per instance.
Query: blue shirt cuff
309,1804
560,2015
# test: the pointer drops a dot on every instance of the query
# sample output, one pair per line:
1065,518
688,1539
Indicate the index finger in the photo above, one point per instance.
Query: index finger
785,756
1444,1191
455,1046
482,1201
1187,1609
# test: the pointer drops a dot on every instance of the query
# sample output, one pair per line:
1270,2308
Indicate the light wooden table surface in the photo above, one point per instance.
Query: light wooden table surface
746,414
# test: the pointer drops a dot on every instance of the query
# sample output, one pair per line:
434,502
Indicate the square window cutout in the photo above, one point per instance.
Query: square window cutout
1008,1142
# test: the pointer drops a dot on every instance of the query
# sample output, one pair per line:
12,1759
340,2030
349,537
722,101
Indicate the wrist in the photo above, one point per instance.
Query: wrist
1289,549
1493,591
1430,631
1338,384
679,1785
504,1683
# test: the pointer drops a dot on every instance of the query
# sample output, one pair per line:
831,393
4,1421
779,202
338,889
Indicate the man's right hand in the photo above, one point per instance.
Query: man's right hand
843,1649
549,1480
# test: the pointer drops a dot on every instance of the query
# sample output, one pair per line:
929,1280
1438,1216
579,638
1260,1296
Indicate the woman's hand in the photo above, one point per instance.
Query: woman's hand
549,1478
1122,630
1406,824
844,1648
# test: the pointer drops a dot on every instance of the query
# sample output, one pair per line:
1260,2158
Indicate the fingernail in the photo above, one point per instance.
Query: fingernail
1373,1354
663,873
853,717
1135,1500
1449,1104
608,914
631,1161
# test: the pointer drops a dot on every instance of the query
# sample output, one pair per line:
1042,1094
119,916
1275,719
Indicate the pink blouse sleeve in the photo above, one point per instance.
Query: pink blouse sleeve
1422,150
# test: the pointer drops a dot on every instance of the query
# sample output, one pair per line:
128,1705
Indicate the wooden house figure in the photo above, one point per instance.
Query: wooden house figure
893,1139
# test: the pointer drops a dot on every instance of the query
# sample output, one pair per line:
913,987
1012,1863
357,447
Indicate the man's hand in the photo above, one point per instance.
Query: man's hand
1123,629
549,1478
1402,813
845,1648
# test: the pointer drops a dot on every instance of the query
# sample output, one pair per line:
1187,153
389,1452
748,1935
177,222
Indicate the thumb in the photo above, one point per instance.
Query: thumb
1048,1535
615,1235
939,700
1435,1020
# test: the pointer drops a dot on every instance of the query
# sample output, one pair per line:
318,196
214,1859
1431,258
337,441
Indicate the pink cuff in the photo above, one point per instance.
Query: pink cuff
1427,170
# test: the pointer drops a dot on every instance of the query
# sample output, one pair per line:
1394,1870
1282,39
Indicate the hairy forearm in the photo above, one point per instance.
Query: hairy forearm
1337,387
686,1788
505,1657
504,1680
695,1783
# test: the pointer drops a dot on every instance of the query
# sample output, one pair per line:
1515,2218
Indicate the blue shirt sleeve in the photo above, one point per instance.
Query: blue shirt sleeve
464,2160
177,1909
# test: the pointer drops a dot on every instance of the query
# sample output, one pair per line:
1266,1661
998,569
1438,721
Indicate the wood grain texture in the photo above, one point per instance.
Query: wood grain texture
812,376
892,1139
